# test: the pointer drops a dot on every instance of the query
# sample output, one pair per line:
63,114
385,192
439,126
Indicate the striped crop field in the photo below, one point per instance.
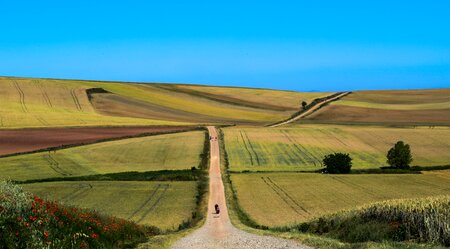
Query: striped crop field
290,198
258,98
162,204
414,107
302,147
50,103
28,102
195,105
160,152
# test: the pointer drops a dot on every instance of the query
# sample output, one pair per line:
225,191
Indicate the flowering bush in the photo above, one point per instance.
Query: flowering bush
31,222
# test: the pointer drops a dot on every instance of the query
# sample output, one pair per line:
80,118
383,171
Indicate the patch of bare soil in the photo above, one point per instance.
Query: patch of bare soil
350,114
26,140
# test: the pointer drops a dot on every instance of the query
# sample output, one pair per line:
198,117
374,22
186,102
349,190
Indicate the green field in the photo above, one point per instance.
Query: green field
161,204
295,197
303,147
161,152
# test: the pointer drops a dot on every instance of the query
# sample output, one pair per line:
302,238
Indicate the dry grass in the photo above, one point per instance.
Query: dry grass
303,147
297,197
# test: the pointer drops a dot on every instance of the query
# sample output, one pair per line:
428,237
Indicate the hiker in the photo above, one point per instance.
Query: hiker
217,208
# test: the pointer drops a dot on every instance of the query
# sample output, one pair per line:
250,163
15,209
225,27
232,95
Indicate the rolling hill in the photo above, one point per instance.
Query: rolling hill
28,102
98,145
402,107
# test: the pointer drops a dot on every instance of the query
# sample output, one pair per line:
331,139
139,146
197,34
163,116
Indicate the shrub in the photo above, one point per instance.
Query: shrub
337,163
304,104
399,156
31,222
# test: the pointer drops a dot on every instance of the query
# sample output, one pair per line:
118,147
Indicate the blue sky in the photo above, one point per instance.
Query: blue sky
297,45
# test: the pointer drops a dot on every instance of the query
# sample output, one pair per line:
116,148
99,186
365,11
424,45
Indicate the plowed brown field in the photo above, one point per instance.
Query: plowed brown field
26,140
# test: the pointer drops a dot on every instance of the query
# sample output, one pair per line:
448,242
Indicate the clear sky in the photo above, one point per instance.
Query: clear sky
298,45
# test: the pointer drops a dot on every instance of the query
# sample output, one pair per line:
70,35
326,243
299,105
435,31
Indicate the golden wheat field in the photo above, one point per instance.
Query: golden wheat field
296,197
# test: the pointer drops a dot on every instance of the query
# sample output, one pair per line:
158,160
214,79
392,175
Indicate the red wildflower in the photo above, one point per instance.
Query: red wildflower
94,236
45,234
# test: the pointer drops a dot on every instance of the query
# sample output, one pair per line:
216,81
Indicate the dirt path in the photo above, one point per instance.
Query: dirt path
218,232
310,110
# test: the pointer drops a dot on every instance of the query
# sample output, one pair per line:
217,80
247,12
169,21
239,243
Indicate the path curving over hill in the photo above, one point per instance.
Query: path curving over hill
312,109
218,232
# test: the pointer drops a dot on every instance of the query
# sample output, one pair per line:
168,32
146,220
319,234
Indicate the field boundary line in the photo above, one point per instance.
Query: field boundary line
314,106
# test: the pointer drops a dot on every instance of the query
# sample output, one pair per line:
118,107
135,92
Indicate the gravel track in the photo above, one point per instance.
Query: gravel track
218,232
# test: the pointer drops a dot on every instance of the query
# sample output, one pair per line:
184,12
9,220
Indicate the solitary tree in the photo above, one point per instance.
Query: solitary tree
337,163
304,104
399,156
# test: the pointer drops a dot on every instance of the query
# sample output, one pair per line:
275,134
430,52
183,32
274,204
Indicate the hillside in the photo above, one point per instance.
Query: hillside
402,107
28,102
